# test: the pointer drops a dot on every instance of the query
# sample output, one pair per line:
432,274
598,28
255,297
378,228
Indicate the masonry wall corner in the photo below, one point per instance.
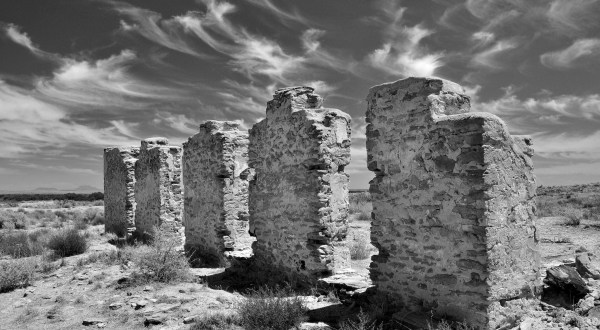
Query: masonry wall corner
453,202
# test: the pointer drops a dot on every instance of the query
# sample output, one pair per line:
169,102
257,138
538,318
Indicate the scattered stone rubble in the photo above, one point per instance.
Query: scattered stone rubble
216,191
119,185
299,196
453,202
158,188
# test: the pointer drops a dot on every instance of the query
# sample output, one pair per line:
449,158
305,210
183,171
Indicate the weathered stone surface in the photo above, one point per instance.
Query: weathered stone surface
299,197
216,191
453,202
567,279
158,188
119,188
585,268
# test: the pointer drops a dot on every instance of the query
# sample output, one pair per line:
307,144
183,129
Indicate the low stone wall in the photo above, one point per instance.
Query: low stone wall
119,185
453,202
216,192
158,188
299,197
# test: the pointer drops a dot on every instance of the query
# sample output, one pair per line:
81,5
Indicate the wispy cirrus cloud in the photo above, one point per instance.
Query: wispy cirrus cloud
104,83
286,17
573,17
490,57
152,27
402,53
550,120
14,33
29,125
576,54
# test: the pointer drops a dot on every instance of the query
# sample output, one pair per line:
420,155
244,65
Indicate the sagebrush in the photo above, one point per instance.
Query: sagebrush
161,261
271,309
68,242
16,274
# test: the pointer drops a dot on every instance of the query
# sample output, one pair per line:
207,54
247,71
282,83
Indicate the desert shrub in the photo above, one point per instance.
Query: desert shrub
160,261
13,220
218,321
98,203
16,274
81,225
271,309
362,321
65,204
22,244
573,216
361,204
94,216
67,242
360,248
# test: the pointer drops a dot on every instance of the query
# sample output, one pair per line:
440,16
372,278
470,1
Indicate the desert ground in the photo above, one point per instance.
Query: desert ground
59,270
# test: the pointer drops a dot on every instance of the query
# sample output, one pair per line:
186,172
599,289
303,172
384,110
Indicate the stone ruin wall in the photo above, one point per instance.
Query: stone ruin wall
216,192
299,196
119,185
158,188
453,202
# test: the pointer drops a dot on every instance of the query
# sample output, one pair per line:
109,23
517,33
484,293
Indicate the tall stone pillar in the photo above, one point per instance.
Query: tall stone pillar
299,197
158,188
216,192
119,186
453,202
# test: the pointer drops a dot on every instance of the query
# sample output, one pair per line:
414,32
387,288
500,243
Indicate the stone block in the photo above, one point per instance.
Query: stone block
158,189
119,189
299,197
453,202
216,191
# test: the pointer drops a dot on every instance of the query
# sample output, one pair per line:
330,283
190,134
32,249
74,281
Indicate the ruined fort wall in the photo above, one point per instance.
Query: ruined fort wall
158,189
299,197
119,185
452,202
216,191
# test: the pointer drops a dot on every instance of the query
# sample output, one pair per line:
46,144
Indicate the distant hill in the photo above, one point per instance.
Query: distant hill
84,189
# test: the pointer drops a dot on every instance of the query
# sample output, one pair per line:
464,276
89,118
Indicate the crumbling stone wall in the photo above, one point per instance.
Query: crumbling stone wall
299,197
119,183
453,202
216,191
158,188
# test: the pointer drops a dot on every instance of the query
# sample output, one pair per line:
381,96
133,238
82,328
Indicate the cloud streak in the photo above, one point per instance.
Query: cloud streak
574,55
402,54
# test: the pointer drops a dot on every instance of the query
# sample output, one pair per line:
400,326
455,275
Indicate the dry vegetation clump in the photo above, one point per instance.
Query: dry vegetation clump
271,309
573,206
573,216
160,261
13,220
360,247
362,321
67,242
21,244
361,204
16,274
217,321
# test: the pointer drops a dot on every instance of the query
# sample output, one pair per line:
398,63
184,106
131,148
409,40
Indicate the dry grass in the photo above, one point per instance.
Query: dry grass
68,242
361,204
16,274
160,261
271,309
360,247
362,321
21,244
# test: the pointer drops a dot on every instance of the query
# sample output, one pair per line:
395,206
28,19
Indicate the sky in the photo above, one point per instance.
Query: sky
77,76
